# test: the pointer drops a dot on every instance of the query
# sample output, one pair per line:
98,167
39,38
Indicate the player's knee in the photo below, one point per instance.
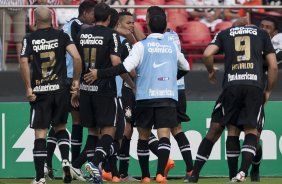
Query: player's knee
176,130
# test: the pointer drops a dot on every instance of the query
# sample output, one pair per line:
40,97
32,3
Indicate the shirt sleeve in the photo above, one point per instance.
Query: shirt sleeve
26,47
67,40
182,63
135,57
217,40
115,44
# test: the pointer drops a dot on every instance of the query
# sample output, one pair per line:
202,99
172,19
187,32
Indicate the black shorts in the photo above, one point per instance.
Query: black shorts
128,103
159,117
120,120
260,124
217,113
97,111
242,105
49,109
181,107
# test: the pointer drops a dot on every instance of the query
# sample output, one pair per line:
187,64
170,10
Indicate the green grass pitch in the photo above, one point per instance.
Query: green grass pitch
264,180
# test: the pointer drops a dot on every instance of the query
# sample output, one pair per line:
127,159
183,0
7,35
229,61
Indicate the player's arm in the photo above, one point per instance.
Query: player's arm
138,34
209,52
182,64
272,72
72,50
25,71
130,63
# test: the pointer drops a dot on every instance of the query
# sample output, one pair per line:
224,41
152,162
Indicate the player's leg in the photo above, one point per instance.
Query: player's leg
252,104
179,136
107,124
165,119
232,149
40,125
128,103
60,116
205,148
255,174
184,147
51,146
76,134
144,122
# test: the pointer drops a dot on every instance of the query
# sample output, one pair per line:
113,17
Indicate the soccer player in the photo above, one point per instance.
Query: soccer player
99,48
232,142
177,131
47,89
243,84
156,91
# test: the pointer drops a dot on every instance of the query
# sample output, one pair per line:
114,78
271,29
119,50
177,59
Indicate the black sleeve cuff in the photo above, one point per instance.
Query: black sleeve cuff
111,72
181,73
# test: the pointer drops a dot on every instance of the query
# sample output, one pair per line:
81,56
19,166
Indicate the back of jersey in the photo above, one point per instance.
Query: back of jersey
47,48
96,45
244,48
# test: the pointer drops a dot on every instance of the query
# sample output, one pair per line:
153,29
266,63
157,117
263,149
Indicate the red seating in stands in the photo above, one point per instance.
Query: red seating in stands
177,19
273,13
176,1
222,25
150,2
195,33
176,10
141,12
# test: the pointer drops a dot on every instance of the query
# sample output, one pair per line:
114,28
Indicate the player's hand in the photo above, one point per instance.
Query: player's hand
123,31
266,96
30,95
75,87
212,77
91,76
75,99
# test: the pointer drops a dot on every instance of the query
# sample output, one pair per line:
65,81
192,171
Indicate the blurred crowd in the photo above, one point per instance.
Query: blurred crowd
19,21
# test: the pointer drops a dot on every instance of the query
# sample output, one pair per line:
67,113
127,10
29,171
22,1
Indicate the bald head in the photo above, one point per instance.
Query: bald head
43,15
242,21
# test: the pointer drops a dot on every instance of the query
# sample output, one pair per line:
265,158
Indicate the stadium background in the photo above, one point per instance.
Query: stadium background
17,139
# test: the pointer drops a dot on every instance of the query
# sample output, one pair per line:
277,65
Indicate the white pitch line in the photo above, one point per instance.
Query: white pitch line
3,142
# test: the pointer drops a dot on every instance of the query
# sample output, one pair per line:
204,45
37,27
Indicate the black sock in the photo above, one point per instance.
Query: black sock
203,154
76,141
185,150
143,154
248,152
163,152
153,144
89,148
39,156
232,153
51,146
257,158
63,143
102,149
110,163
106,165
124,157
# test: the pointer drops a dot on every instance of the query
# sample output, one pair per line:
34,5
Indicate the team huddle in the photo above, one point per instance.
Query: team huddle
112,78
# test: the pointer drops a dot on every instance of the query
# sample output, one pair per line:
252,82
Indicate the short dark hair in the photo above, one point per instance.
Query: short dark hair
157,24
155,10
273,20
102,12
86,6
114,18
